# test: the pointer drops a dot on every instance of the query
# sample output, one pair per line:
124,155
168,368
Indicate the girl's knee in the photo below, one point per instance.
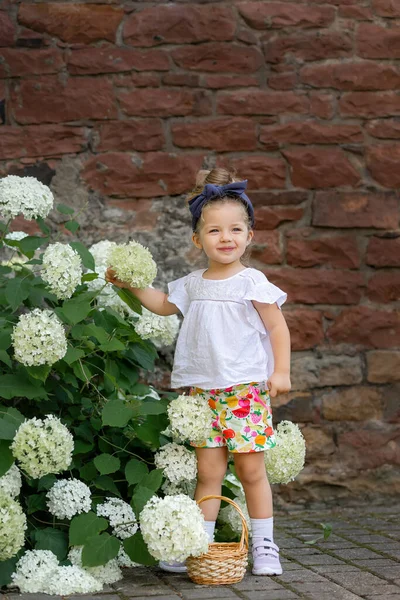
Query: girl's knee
209,472
250,473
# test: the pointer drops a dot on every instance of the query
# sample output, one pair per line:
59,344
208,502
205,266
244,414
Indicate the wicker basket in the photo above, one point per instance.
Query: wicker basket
224,563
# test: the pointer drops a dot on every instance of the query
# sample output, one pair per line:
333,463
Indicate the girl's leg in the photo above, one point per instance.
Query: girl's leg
250,468
211,469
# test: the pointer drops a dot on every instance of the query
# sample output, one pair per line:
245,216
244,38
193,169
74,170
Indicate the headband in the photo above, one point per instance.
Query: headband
210,192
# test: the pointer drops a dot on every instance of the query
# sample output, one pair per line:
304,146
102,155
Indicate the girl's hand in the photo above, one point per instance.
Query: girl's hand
111,277
278,383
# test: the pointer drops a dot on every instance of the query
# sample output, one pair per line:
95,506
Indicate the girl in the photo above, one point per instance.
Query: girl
233,350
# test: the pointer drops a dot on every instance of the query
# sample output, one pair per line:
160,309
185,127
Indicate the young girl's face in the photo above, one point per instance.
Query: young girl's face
224,234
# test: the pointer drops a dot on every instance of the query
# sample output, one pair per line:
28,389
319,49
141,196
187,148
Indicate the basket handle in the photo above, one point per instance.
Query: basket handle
244,538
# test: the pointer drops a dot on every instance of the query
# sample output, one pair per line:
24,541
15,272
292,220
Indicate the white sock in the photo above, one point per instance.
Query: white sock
263,528
209,526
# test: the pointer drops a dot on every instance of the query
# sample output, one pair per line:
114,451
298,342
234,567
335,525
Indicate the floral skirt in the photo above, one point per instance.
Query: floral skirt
242,418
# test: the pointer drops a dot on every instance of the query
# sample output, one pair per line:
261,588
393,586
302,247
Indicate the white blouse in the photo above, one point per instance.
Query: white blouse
223,340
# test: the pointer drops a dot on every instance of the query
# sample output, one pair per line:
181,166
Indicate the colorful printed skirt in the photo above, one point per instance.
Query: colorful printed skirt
242,418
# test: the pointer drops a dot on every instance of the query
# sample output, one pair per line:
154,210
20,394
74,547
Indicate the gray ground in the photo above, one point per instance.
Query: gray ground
361,559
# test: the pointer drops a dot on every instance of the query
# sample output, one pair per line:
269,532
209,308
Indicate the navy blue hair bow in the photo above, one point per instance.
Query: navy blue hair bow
210,192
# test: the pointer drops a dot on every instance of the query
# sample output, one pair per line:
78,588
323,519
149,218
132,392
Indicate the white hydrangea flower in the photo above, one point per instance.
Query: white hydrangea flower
39,338
173,528
134,264
123,559
183,487
162,331
16,263
286,459
15,236
61,270
11,482
190,418
108,573
12,527
230,515
65,581
24,195
43,446
68,497
33,569
177,462
120,515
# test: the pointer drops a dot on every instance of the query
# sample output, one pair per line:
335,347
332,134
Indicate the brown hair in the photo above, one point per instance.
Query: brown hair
217,176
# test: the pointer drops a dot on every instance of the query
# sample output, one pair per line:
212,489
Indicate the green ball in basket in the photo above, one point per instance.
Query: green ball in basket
133,264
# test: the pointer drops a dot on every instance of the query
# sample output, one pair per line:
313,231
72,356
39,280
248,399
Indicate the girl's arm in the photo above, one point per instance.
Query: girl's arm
275,324
154,300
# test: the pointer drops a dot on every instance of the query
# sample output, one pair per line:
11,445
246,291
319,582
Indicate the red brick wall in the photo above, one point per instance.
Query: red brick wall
119,103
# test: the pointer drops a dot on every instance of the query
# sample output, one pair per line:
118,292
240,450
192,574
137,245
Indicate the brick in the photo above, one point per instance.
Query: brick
374,41
383,366
384,287
284,81
227,81
273,198
356,209
72,23
47,100
43,140
306,328
271,217
366,326
369,104
275,15
358,403
139,214
218,134
352,76
383,252
382,162
164,102
138,134
321,168
313,371
308,46
319,443
7,30
20,62
90,61
141,176
179,25
319,286
386,8
261,171
145,79
266,247
181,79
309,132
368,449
358,13
336,251
322,105
259,102
295,406
214,57
383,129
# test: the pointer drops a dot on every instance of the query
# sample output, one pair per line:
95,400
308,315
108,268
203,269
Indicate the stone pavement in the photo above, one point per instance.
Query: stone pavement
361,559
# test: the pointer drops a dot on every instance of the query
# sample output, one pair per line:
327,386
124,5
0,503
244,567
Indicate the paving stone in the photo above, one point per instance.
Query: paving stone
357,553
391,597
134,590
169,597
385,591
209,592
273,595
319,559
359,582
389,573
377,562
332,568
258,583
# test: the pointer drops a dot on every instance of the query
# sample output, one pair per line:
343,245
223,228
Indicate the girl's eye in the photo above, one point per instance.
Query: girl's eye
237,229
213,230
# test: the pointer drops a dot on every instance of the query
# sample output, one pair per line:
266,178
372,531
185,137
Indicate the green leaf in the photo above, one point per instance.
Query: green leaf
7,568
42,225
137,551
89,277
72,226
85,526
76,310
29,244
5,339
52,539
147,433
17,291
112,345
81,447
73,354
327,530
152,408
116,413
88,472
40,372
86,257
6,457
99,549
140,498
144,357
10,420
36,503
135,470
5,358
153,480
46,482
12,386
129,298
65,210
106,483
99,333
106,463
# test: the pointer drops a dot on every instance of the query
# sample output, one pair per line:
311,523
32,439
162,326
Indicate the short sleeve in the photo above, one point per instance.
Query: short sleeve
262,290
177,294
